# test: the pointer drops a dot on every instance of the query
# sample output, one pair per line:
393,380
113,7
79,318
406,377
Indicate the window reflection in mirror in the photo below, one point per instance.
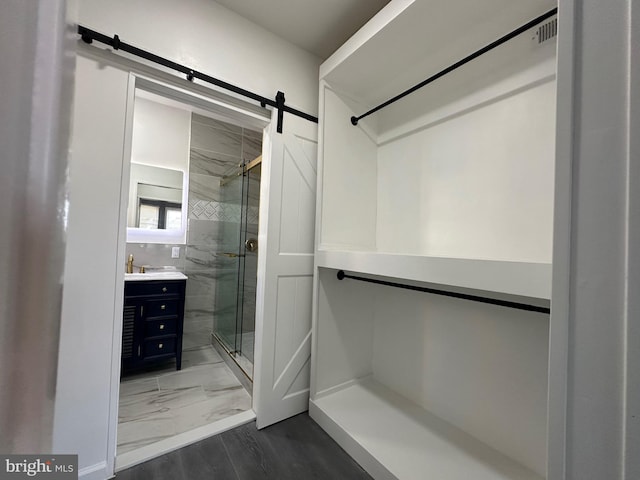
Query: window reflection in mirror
155,198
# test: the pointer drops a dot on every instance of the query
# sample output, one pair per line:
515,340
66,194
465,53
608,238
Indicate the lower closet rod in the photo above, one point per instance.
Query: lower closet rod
474,298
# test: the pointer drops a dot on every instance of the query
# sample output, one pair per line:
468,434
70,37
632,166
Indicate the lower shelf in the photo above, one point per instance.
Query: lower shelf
393,438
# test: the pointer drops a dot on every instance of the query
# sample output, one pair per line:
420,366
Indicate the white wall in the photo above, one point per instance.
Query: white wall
160,135
349,172
212,39
485,175
200,34
161,138
84,365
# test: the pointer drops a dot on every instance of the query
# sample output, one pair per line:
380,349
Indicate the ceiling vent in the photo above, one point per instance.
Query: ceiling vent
546,31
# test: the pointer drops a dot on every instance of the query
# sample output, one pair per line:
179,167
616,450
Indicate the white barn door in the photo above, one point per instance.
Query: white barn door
285,284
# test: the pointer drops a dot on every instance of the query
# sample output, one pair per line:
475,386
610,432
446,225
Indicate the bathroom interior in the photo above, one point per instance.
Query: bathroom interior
192,217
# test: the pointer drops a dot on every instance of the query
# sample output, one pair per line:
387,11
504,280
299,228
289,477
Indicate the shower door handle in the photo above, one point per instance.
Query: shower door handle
251,244
232,255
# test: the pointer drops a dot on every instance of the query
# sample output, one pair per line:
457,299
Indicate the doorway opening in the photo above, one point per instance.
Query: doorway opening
160,399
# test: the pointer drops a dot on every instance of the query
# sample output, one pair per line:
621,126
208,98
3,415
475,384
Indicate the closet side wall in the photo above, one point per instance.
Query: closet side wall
349,206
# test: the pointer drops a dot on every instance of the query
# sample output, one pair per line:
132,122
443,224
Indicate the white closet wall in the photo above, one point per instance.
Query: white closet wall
448,188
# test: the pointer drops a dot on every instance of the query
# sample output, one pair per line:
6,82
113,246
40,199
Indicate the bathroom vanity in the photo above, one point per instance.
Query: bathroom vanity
152,319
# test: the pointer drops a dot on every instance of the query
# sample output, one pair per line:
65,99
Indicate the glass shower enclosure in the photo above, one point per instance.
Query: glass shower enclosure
235,296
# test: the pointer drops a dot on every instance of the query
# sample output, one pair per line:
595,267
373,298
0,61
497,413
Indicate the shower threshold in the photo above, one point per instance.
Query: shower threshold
239,364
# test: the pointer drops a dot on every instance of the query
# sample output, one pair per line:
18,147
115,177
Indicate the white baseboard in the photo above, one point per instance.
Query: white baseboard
94,472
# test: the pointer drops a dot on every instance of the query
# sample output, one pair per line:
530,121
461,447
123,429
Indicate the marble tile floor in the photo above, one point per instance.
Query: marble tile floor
161,402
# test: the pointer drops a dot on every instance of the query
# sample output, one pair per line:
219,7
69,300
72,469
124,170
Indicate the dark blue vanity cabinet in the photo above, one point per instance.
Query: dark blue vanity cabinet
152,322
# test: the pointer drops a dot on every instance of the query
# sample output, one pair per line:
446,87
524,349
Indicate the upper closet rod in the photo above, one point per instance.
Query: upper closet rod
88,36
491,46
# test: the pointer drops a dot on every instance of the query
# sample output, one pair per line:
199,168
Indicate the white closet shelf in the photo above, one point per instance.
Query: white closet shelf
523,279
418,38
393,438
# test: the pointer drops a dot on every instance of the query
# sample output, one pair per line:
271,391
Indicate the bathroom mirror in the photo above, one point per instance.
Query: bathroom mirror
158,175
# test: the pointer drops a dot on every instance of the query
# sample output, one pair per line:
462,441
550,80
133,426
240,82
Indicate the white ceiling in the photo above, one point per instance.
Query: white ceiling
318,26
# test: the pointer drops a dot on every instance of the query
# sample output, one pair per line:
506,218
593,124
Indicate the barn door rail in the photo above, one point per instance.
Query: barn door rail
88,36
460,63
434,291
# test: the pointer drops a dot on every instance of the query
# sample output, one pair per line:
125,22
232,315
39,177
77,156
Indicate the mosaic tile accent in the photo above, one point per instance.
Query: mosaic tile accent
214,211
253,214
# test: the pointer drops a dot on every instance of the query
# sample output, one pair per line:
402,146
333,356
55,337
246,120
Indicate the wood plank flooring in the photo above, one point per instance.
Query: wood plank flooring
295,449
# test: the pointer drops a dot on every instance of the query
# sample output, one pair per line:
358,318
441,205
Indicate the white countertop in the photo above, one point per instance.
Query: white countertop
136,277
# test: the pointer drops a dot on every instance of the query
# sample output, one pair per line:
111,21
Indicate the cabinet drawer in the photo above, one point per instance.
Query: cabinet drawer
154,287
161,308
161,346
160,326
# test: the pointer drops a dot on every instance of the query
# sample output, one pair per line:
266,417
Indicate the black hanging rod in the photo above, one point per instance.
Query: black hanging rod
474,298
88,36
467,59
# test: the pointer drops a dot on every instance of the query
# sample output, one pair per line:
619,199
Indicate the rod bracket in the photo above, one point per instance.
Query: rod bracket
340,275
190,76
280,107
115,43
354,121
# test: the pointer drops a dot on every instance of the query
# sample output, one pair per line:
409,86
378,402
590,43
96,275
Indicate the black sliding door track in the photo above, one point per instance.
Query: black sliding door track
88,36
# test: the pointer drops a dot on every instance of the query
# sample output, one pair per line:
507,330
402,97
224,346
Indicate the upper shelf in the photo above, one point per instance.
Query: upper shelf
409,40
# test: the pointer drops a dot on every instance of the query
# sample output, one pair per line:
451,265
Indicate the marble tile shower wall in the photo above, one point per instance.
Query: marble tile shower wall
217,148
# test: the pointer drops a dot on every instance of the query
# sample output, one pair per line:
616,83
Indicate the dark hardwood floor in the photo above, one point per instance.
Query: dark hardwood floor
296,449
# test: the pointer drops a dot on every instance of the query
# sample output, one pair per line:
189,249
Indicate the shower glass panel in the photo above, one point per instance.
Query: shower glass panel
250,264
229,261
234,322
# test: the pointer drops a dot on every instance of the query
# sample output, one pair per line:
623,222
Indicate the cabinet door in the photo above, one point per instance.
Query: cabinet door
285,279
132,317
